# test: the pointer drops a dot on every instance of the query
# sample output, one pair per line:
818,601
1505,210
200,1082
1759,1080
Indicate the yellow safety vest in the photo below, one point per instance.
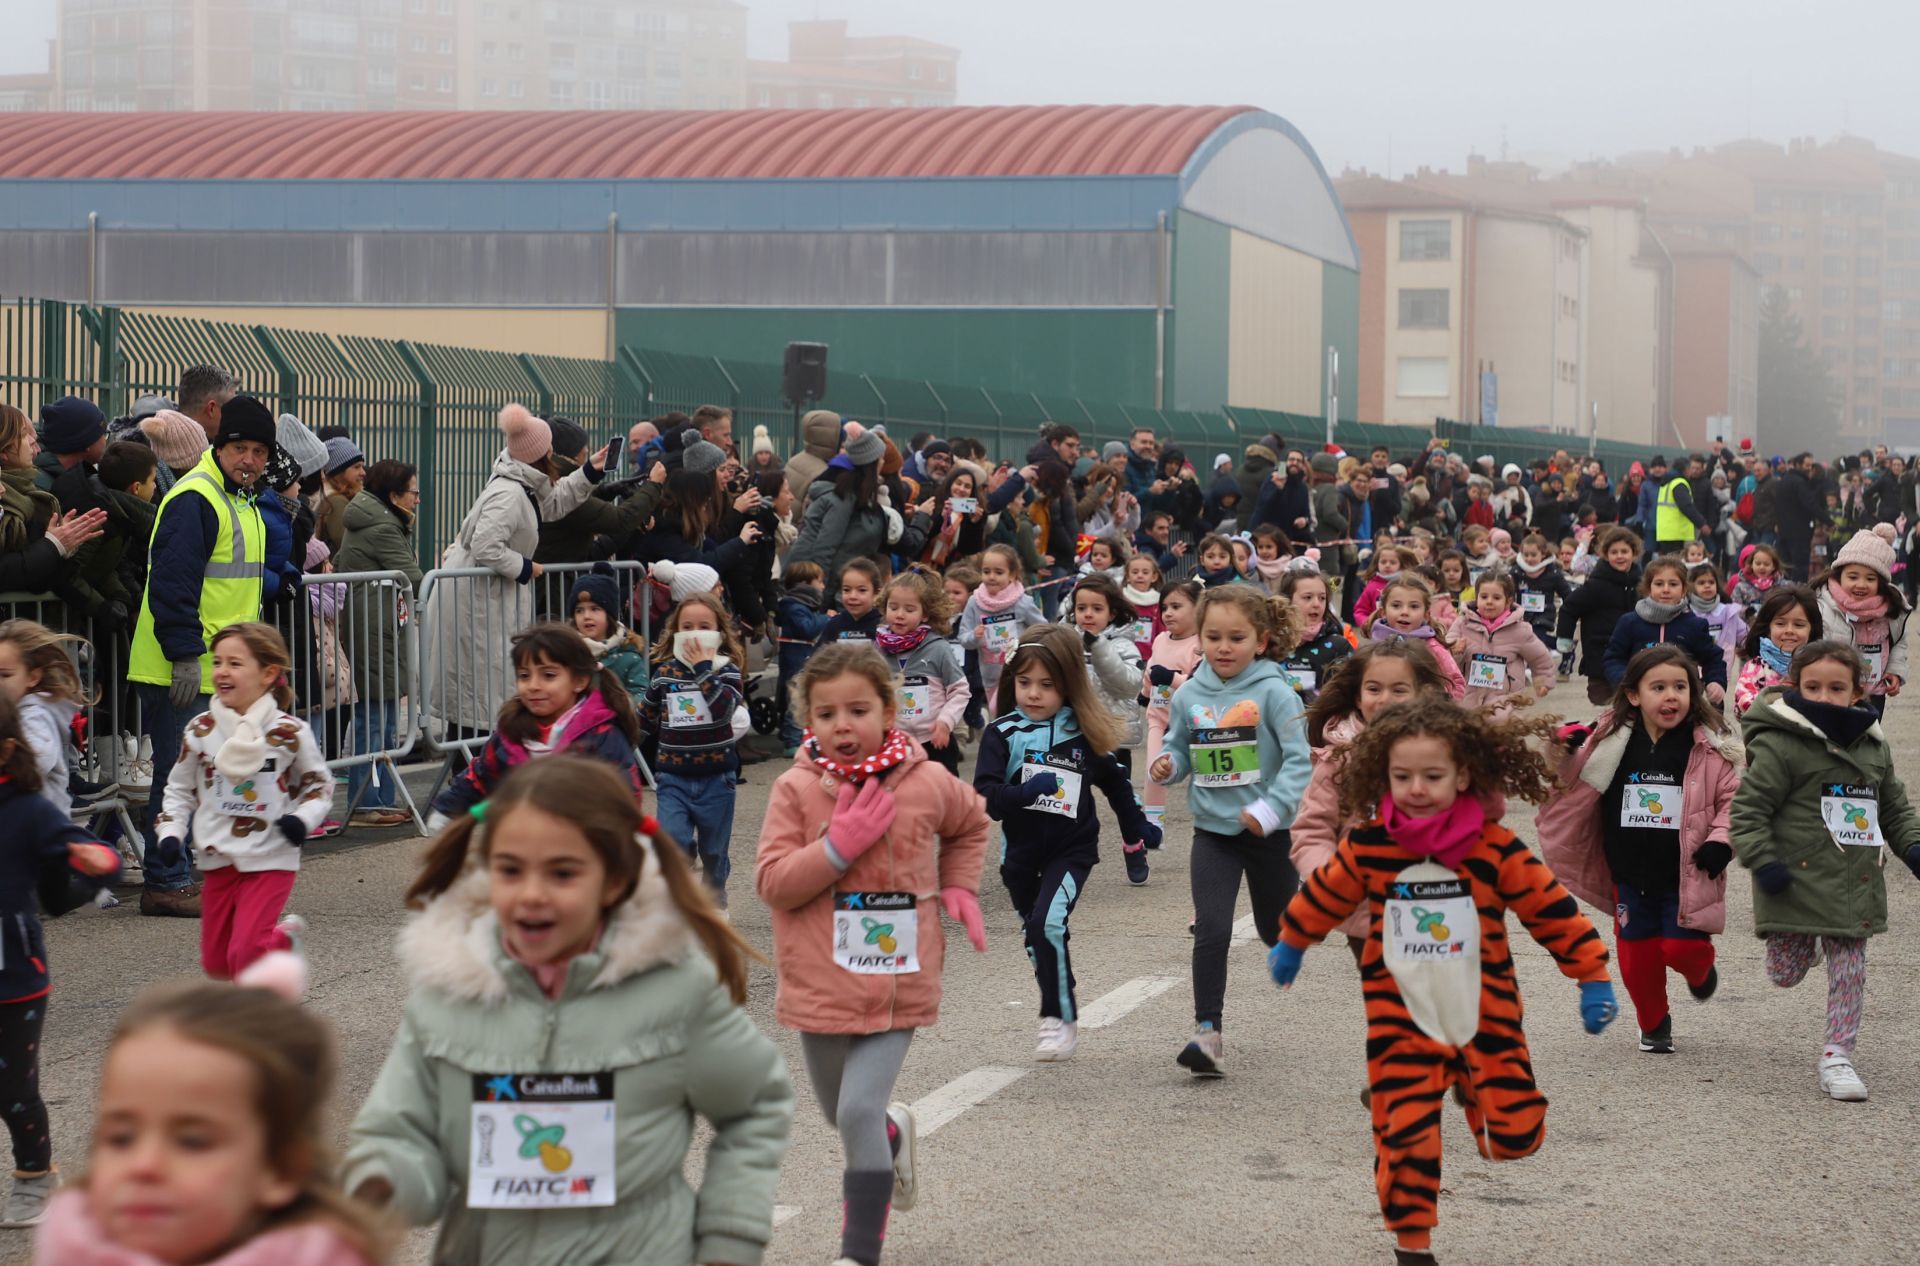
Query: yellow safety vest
231,585
1670,522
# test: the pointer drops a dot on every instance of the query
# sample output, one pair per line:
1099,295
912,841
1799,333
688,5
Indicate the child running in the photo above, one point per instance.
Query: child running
593,603
1642,828
1662,615
1403,614
564,700
800,621
1388,561
1324,640
1543,586
1176,652
1049,748
958,582
1860,602
252,784
859,616
1142,592
691,712
1437,876
998,613
1787,620
1237,730
1496,649
1216,563
1760,570
37,673
210,1142
861,837
1594,609
1725,623
574,1004
932,695
46,863
1818,809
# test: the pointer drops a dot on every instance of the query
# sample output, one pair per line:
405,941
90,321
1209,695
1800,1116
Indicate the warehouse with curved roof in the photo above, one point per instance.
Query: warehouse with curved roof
1196,255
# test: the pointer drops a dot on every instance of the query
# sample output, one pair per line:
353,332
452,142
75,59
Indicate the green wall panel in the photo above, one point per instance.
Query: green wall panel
1340,327
1101,354
1197,327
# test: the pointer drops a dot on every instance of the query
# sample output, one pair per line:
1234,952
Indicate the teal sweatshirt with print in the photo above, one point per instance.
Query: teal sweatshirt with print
1244,742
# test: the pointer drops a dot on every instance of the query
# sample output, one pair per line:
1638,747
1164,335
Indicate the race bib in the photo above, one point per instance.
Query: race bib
855,635
1304,679
1431,921
687,710
876,933
541,1141
1227,757
1852,815
1872,653
1161,695
1488,672
1140,631
1065,800
1650,802
253,797
915,699
1533,603
1003,631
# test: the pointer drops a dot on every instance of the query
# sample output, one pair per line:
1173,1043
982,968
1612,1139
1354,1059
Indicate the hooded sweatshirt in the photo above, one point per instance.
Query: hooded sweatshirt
48,725
1649,624
1245,740
1061,827
238,774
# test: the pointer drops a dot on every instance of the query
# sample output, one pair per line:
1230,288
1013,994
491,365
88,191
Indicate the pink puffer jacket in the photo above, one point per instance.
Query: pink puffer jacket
938,840
1317,827
1513,643
1572,844
70,1237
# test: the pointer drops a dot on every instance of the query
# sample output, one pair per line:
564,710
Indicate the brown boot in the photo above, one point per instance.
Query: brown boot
175,903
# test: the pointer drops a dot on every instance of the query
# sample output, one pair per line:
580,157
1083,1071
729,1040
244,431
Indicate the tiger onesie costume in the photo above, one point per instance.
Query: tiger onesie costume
1410,1072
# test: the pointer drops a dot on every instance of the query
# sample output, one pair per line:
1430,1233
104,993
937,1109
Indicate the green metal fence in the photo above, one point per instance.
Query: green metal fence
436,406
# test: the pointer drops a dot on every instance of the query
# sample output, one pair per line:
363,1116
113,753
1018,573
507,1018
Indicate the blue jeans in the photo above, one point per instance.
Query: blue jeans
165,725
374,721
698,813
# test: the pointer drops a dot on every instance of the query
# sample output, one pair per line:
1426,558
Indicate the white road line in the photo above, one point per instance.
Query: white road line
1110,1007
1243,930
963,1092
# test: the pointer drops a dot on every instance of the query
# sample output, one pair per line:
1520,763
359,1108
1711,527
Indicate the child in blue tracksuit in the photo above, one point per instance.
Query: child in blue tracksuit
1041,758
1238,728
693,710
1664,615
859,616
801,621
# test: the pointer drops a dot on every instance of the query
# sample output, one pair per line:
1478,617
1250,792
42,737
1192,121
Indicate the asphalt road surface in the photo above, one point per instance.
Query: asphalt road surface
1725,1152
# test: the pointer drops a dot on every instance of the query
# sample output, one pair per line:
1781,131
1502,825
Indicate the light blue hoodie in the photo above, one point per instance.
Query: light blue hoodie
1261,712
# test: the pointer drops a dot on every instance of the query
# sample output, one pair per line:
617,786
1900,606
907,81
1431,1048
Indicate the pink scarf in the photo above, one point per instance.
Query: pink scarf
1868,616
894,750
1860,609
1496,621
70,1237
1270,569
1006,600
892,643
1445,837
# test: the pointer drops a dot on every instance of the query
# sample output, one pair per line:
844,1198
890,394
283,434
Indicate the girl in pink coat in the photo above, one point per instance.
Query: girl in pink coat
1176,649
1404,612
865,842
1642,828
1496,649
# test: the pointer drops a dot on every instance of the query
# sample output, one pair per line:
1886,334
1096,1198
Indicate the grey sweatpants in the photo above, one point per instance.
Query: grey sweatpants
853,1078
1215,867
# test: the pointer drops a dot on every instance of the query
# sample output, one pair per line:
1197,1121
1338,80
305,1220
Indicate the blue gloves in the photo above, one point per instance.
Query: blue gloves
1912,859
1774,878
1037,786
294,829
1283,960
1597,1007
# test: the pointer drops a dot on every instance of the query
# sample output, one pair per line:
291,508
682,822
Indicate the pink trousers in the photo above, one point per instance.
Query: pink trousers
238,910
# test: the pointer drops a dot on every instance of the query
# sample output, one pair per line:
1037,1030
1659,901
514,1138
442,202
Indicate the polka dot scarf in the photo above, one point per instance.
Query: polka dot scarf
894,750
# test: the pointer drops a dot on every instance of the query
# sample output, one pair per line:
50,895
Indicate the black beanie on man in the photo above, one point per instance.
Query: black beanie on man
244,418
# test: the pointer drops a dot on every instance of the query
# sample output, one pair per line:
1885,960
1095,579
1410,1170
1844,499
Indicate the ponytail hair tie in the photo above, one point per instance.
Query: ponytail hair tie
479,812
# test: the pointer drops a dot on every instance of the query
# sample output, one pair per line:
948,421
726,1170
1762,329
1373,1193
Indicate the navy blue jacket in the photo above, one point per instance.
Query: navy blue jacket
282,575
1035,838
34,876
1634,633
801,620
1281,506
844,628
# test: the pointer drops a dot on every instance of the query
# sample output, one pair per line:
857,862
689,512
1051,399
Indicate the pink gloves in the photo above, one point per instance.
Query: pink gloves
860,819
964,908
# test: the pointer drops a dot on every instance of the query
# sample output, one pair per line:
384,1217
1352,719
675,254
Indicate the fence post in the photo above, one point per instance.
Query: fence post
999,425
289,376
637,370
946,414
53,348
540,387
104,325
424,463
868,379
732,386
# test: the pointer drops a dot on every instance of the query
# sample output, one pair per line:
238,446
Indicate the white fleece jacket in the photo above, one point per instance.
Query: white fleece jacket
234,821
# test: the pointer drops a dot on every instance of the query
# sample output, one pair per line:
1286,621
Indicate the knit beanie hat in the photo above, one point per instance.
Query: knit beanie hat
863,447
1869,549
1112,449
176,438
598,587
244,420
701,456
343,453
762,442
71,425
317,553
569,437
683,580
300,444
529,439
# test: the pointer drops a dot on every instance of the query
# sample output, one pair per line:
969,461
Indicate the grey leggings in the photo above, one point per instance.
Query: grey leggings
853,1078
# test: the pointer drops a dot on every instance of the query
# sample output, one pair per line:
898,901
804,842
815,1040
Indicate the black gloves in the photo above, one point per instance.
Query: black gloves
1713,857
1160,675
294,829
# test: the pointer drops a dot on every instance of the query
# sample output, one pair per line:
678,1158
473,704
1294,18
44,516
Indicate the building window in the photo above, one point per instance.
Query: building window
913,70
515,89
1766,262
515,53
1833,327
416,82
1422,377
417,44
1426,239
446,83
1423,309
444,46
763,97
1833,296
824,101
862,102
489,88
1833,265
941,72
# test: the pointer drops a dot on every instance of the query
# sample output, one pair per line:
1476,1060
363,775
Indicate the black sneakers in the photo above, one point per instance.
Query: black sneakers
1658,1040
1136,857
1707,986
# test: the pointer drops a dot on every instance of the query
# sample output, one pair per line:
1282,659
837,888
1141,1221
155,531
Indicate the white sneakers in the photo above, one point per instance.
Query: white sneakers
1057,1041
1839,1080
906,1179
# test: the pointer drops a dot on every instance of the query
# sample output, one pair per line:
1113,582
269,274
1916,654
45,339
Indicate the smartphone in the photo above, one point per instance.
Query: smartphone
616,448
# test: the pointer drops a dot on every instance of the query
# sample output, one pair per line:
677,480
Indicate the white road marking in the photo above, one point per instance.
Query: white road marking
1110,1007
1243,931
963,1092
785,1213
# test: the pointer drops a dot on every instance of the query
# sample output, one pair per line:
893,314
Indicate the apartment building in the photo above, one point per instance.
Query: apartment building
339,55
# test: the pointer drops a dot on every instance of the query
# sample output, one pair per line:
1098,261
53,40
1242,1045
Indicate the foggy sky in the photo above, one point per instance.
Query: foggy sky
1404,82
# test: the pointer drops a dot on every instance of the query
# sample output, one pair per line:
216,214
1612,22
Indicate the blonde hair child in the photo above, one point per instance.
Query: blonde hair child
998,613
37,672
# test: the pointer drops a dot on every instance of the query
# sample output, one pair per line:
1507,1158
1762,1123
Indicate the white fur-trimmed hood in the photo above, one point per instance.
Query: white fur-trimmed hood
453,946
1609,748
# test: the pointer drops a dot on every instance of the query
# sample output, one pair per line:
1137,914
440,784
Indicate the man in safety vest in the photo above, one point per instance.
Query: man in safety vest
206,560
1676,520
